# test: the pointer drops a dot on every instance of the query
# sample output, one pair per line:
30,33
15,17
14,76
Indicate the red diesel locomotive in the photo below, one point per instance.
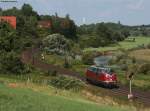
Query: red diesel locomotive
101,75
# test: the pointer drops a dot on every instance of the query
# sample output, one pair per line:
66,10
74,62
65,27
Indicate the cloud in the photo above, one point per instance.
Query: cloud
136,6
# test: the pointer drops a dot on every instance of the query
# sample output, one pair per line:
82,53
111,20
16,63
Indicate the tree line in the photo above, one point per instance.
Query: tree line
101,34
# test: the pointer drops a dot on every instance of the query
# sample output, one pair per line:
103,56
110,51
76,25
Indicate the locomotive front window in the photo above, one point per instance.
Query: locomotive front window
93,69
105,70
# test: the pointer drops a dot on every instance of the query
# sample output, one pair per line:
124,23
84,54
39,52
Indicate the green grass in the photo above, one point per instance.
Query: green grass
54,59
140,81
25,99
123,44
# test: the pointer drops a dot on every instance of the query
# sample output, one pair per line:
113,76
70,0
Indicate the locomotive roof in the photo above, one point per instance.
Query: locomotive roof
100,67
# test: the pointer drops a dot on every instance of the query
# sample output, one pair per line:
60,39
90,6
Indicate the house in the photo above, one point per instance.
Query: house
10,19
45,24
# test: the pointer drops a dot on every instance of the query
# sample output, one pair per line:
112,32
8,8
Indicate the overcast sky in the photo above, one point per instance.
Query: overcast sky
129,12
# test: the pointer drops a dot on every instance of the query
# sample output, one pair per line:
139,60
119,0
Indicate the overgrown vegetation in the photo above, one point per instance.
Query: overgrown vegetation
67,83
28,34
100,35
56,44
10,47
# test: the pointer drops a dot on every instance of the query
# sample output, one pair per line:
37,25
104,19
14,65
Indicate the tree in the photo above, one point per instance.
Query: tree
27,10
9,47
104,35
8,38
64,26
56,43
10,63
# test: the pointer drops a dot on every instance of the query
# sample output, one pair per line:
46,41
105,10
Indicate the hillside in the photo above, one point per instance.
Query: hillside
14,97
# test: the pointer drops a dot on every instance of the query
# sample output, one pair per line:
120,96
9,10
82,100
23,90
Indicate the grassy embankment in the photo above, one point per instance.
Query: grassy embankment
20,96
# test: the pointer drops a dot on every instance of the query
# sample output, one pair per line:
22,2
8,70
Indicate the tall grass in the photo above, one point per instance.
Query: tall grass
22,99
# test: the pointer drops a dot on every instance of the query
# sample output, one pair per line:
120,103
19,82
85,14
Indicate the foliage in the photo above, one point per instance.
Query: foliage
9,48
56,43
64,82
148,46
124,30
101,34
64,26
8,38
10,63
126,45
144,68
88,58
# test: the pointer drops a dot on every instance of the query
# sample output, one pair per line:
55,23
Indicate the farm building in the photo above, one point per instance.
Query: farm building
10,19
45,24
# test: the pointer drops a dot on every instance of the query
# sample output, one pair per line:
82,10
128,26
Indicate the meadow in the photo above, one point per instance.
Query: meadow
126,44
142,54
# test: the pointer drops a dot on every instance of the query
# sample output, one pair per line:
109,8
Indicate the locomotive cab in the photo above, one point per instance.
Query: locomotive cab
101,75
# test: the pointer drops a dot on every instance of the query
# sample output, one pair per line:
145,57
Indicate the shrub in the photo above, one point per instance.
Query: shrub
67,64
57,44
10,63
51,73
77,62
144,68
148,46
133,60
88,58
67,83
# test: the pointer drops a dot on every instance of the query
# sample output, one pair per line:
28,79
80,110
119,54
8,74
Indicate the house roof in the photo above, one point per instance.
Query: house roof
10,19
45,24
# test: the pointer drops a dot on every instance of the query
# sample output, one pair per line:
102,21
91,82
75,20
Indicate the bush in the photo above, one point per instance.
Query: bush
56,44
67,83
67,64
10,63
88,58
148,46
76,62
144,68
51,73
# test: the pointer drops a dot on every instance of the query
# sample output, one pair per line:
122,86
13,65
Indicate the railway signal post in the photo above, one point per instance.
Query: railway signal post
130,95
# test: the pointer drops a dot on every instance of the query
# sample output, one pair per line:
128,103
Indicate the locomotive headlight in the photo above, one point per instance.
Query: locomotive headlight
107,76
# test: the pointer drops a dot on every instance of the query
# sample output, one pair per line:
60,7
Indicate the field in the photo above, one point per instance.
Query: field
31,97
140,81
127,44
143,54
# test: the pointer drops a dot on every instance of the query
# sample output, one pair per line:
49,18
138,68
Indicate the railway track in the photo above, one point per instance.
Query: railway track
28,57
